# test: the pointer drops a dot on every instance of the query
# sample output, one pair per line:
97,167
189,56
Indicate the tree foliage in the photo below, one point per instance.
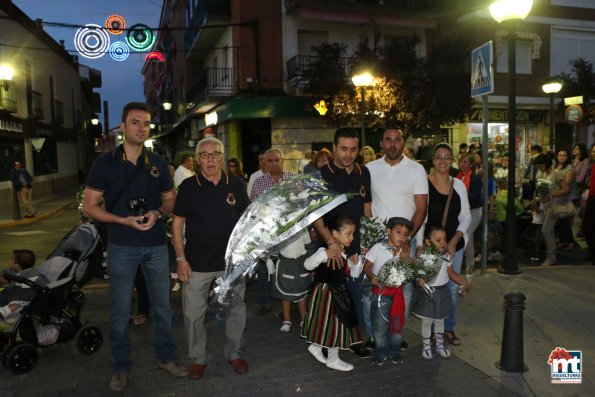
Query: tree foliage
411,91
581,82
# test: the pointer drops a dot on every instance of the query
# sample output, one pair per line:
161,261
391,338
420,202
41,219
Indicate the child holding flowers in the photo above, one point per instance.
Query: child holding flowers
432,303
331,320
388,303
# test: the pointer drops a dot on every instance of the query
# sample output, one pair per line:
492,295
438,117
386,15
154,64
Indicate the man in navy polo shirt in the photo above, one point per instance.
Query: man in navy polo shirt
138,191
209,205
343,175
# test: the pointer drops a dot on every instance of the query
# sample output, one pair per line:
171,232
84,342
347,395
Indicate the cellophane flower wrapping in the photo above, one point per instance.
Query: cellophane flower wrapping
274,217
396,272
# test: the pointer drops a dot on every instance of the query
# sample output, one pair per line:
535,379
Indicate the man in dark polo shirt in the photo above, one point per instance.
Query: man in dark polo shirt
209,205
343,175
138,191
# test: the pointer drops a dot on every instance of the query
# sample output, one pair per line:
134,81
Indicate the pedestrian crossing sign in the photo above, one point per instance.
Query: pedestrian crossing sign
482,72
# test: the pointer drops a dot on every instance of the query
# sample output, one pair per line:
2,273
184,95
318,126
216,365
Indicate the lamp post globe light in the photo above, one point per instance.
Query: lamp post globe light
509,12
552,87
6,75
362,81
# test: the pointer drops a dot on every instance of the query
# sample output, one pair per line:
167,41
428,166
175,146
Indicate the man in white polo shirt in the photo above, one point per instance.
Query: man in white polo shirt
399,189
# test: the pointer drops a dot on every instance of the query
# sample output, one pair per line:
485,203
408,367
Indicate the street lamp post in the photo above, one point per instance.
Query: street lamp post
362,81
511,11
552,87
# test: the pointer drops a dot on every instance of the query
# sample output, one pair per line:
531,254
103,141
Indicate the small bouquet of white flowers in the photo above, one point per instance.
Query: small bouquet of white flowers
371,231
397,271
274,217
501,174
542,187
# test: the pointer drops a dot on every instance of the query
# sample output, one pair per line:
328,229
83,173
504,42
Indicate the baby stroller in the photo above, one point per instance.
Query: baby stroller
53,314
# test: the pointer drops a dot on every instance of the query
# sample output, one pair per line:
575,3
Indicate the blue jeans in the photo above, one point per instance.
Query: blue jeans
450,322
387,344
354,286
122,264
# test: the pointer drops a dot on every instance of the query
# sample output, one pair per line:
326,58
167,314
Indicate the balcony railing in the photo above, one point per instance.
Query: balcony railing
8,100
58,116
212,82
299,65
37,105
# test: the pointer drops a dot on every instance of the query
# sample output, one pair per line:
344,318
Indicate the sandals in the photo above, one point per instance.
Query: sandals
451,338
140,319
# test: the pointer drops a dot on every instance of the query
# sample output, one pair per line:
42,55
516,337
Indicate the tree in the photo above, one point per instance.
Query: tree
412,92
581,82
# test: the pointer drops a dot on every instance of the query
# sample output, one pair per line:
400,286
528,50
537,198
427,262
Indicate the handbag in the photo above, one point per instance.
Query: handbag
562,208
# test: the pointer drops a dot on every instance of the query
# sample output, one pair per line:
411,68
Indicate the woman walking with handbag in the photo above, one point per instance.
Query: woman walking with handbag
557,202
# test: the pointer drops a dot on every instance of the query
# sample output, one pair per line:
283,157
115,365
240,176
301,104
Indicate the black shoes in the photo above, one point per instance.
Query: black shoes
360,350
370,344
404,345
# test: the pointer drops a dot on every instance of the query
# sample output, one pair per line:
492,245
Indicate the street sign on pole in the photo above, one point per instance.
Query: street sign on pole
482,71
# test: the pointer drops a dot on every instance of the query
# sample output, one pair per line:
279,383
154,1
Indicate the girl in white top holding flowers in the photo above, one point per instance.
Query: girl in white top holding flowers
331,320
435,307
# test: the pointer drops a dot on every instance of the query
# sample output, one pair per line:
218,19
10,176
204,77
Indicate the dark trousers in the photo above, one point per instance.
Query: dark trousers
589,226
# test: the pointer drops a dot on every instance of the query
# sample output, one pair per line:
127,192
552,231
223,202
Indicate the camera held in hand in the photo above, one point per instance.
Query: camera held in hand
139,206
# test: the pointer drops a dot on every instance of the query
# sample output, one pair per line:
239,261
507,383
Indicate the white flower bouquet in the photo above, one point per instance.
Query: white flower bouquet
542,187
501,174
371,231
397,272
274,217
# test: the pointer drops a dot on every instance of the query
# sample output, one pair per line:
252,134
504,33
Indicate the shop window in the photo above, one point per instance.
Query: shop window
45,160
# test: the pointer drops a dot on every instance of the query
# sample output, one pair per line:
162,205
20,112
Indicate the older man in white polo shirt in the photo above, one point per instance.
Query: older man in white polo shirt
399,188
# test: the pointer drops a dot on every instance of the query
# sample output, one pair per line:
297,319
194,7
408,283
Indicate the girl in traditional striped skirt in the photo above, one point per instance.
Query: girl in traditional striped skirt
331,320
434,308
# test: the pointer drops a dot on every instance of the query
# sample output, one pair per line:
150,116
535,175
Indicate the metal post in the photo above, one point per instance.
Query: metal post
485,176
16,210
552,131
363,107
509,266
511,354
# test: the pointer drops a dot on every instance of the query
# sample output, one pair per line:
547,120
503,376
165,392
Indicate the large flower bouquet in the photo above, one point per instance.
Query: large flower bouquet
542,187
274,217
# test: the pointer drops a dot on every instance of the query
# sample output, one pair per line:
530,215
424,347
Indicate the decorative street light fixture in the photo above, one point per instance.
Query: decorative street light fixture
511,11
552,87
94,121
362,81
167,106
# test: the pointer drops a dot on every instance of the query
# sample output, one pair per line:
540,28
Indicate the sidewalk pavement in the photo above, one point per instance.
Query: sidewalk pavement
46,207
559,313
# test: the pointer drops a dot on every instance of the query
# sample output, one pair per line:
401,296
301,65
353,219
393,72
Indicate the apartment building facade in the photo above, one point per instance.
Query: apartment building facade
237,66
45,109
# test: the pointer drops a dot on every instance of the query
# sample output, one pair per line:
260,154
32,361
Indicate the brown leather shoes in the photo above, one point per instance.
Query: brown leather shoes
197,371
239,365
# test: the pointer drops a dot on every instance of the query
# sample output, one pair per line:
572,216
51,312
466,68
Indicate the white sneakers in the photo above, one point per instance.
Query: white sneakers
339,365
316,351
334,362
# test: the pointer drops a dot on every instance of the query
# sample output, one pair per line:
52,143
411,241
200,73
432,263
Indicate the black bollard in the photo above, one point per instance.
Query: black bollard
16,210
511,355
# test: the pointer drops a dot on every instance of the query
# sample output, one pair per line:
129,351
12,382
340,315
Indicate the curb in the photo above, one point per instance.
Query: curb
28,221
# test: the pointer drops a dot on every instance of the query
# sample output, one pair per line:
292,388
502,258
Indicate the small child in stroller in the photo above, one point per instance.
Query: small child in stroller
20,263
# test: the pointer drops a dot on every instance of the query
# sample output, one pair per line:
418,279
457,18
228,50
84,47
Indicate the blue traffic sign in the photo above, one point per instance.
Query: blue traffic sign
482,71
